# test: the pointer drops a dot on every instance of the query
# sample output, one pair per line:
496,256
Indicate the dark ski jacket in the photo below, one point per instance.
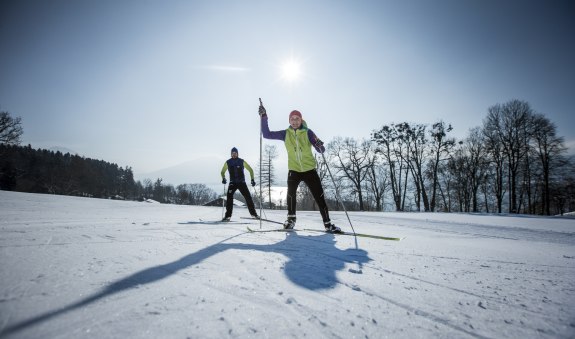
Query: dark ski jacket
235,168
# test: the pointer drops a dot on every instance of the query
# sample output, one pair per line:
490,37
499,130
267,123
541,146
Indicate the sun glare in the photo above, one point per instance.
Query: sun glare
291,70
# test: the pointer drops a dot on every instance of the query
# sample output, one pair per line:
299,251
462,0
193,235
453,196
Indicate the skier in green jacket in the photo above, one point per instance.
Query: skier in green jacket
298,140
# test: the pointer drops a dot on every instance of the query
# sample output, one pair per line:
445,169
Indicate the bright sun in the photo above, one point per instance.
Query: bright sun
291,70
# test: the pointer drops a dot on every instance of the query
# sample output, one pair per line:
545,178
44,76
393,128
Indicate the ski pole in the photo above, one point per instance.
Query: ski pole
260,200
223,201
260,176
337,193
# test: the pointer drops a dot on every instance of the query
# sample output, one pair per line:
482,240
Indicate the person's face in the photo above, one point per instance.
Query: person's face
295,121
234,155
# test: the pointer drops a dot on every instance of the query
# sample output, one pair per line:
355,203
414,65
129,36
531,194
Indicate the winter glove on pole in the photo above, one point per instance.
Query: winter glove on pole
224,181
253,182
262,109
319,145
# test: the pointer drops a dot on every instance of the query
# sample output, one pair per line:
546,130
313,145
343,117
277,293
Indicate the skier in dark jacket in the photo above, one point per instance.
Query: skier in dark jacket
298,140
235,167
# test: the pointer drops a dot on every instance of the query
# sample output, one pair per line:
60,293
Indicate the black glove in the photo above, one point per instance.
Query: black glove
319,145
262,111
253,182
224,181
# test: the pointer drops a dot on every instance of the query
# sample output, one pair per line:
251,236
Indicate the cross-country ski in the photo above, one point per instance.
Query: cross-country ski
264,219
363,235
270,230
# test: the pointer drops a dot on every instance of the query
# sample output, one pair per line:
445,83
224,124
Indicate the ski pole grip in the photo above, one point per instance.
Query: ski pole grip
262,110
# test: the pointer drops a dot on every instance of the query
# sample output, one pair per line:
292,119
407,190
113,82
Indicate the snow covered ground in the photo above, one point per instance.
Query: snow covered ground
89,268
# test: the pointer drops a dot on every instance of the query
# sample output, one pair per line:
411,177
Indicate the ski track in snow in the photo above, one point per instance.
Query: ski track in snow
78,267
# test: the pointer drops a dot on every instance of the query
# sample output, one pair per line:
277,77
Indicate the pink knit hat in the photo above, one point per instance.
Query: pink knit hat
295,112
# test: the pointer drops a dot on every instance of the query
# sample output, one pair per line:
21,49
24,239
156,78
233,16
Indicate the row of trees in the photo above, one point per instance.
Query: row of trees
41,171
184,194
25,169
514,163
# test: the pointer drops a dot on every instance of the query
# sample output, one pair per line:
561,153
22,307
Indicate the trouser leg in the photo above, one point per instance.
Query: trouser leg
230,200
249,201
313,181
292,182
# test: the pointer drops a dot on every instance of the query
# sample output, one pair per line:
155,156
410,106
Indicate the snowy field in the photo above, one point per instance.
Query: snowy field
89,268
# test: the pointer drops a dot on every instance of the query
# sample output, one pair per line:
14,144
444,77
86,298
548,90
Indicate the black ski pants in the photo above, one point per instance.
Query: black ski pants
245,192
313,182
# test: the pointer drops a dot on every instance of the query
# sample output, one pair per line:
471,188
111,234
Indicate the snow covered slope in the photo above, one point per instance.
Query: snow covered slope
89,268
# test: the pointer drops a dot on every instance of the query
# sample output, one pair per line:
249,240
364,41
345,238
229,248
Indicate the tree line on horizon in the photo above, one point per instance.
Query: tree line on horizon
25,169
514,163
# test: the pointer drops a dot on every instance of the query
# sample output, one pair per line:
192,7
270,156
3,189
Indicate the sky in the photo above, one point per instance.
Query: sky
77,267
156,84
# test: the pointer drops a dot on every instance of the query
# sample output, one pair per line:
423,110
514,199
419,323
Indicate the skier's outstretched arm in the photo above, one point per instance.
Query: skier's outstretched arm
277,135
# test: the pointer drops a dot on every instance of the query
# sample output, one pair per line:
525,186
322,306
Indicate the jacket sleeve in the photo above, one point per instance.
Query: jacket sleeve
224,169
276,135
247,166
315,141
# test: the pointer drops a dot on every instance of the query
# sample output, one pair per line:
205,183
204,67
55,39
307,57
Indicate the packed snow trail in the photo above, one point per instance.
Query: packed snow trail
80,267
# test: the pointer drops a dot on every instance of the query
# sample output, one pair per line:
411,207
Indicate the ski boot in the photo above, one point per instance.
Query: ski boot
255,216
331,228
289,223
226,219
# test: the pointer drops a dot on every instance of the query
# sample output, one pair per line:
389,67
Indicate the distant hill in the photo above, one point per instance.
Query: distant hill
205,170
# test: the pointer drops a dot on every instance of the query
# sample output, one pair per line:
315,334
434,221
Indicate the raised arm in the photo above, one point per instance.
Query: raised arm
277,135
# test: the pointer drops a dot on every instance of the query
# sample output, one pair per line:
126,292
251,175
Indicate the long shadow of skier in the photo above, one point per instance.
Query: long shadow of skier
312,263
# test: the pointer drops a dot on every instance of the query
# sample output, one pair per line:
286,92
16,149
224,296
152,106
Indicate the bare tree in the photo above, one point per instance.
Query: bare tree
10,129
378,180
352,160
476,166
441,147
448,183
548,147
512,128
391,145
460,183
268,170
495,148
416,142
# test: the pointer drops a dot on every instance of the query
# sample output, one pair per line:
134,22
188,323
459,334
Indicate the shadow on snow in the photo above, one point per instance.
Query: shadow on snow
312,263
